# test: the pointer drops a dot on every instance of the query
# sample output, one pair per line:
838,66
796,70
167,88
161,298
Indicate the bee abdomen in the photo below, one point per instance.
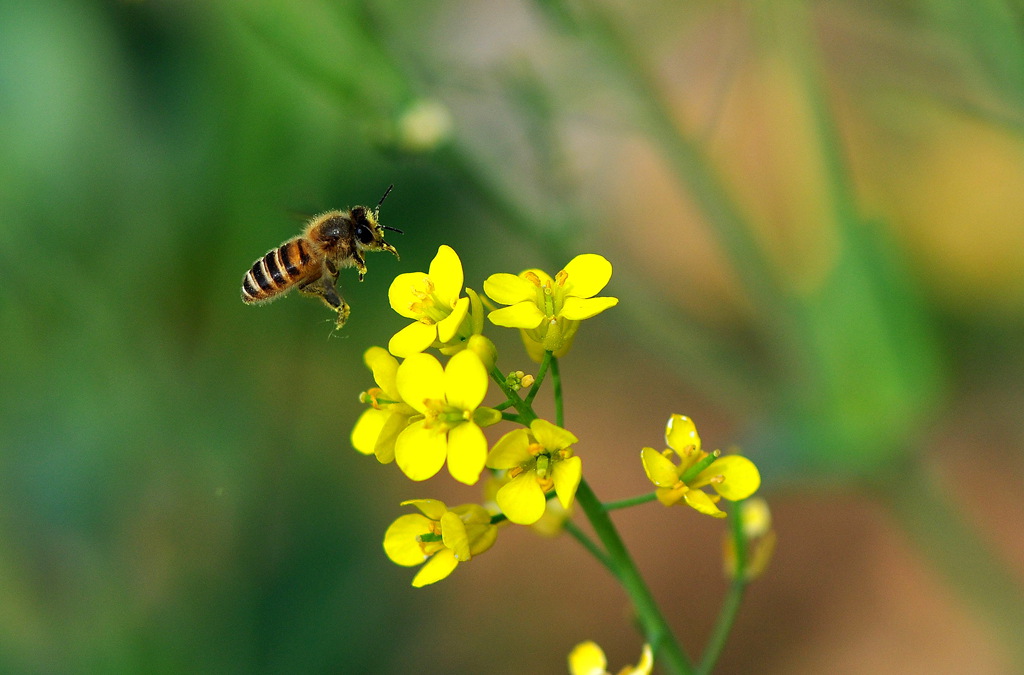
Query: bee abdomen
277,271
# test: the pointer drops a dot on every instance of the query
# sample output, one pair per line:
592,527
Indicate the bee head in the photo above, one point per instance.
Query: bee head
368,230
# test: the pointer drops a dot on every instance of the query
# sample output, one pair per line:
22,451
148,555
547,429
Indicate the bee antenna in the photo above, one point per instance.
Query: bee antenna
393,229
386,193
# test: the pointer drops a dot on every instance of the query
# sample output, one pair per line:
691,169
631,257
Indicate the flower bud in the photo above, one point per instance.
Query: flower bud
485,349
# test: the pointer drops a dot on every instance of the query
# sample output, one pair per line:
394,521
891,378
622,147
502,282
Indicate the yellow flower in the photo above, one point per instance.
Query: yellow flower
536,461
759,539
550,525
378,427
589,659
733,477
449,400
548,311
440,536
433,300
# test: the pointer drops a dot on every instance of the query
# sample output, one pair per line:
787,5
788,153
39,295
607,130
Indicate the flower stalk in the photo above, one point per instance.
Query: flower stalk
656,629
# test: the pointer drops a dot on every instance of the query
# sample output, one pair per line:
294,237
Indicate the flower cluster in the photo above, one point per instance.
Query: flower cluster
425,414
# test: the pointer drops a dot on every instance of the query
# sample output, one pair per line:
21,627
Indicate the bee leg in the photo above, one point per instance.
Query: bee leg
360,264
324,289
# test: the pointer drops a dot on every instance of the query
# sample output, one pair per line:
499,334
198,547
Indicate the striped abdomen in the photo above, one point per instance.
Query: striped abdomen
278,271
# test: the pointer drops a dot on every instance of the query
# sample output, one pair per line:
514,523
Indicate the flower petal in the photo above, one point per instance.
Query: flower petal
700,501
670,496
551,436
438,567
482,538
449,326
367,430
522,499
420,452
412,339
741,477
446,273
400,542
659,468
587,274
465,381
420,378
384,448
431,508
508,289
406,291
587,659
482,534
566,476
453,533
577,309
681,432
520,315
645,665
467,452
471,515
384,367
511,450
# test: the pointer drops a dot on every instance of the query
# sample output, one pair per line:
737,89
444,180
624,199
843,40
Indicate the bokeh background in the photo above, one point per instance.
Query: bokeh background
815,211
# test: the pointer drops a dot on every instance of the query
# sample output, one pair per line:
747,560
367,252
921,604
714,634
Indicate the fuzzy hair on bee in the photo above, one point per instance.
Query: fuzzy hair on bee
312,260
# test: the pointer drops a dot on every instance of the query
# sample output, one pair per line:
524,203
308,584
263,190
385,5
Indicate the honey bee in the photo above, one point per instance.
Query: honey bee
312,260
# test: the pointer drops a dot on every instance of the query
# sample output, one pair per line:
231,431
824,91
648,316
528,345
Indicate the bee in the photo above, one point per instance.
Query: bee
312,260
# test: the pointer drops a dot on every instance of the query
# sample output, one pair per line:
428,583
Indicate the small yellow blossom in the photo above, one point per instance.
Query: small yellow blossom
536,461
378,427
589,659
441,316
732,477
548,311
759,538
449,401
439,536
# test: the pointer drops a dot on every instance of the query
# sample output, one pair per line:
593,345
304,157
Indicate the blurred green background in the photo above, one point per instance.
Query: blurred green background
816,216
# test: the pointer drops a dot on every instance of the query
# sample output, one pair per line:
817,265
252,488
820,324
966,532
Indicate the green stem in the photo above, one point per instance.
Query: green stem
656,630
733,598
723,626
540,378
592,547
556,385
630,501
